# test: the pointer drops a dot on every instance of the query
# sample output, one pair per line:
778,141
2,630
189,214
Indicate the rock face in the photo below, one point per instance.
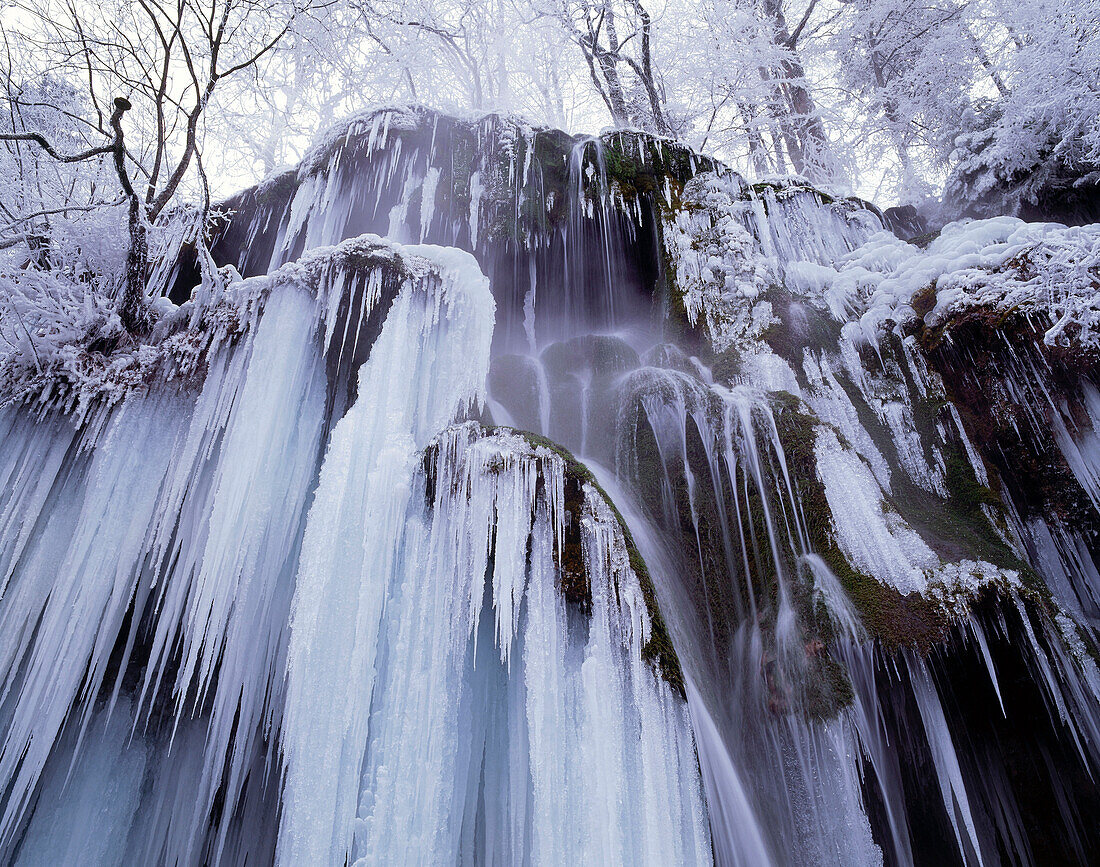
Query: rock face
675,516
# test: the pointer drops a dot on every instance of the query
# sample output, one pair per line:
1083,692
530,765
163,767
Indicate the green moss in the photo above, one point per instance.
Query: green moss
955,528
925,240
1014,434
967,493
642,166
726,366
550,159
896,620
623,168
1088,641
827,690
924,300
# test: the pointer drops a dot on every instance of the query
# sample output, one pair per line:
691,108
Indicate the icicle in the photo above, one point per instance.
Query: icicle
975,461
63,607
429,363
475,207
492,731
427,201
945,762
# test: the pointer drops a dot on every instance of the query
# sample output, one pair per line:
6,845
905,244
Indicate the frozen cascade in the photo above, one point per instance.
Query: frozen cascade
116,485
273,590
188,510
797,787
584,744
208,536
428,364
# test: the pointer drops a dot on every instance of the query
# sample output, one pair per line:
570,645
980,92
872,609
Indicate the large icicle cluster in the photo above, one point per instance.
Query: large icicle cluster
227,600
148,556
133,572
428,364
497,723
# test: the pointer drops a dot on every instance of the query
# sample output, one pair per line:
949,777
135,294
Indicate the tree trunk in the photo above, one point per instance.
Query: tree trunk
802,128
131,308
757,151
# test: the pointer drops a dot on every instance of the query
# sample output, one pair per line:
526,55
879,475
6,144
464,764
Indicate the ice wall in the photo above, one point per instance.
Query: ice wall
499,722
247,607
828,507
266,581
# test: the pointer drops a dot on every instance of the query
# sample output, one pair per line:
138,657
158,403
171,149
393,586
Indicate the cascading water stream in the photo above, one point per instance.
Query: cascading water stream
293,596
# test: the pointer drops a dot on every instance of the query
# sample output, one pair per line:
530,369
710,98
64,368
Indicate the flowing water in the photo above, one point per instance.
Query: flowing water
346,597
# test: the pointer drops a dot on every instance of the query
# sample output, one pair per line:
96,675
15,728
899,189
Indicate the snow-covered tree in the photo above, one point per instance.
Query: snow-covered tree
1034,143
911,68
142,80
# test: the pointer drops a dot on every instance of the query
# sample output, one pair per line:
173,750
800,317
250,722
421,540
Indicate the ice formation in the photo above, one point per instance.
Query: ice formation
276,586
258,564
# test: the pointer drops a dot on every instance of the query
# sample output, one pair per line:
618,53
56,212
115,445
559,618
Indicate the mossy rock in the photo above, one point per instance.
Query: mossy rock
827,689
762,188
641,164
658,650
978,355
798,326
604,354
895,619
726,366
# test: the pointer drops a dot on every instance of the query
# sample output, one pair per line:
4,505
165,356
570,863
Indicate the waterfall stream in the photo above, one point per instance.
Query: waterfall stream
534,500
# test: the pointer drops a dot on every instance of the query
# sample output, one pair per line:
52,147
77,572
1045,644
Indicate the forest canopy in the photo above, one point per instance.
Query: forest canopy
123,122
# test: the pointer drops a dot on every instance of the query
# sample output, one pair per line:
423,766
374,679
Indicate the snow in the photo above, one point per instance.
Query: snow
877,541
61,367
871,277
1001,263
730,244
376,121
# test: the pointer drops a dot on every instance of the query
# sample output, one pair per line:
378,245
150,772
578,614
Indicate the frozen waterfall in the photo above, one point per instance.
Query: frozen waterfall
549,500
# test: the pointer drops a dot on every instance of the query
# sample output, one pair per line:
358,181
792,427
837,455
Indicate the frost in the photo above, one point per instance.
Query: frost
1003,264
729,245
874,538
66,347
956,586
